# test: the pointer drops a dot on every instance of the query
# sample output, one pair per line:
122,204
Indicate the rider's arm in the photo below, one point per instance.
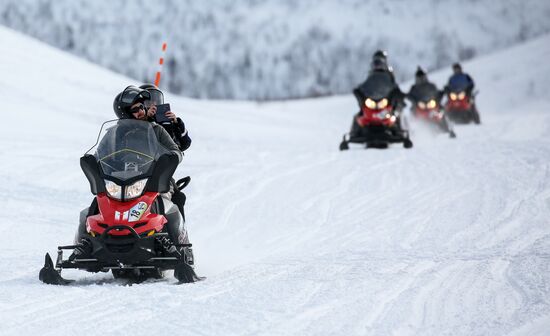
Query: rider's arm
182,135
165,140
470,79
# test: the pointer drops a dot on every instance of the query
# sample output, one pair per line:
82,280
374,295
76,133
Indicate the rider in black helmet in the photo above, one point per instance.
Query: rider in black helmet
379,64
130,104
421,83
130,96
381,73
381,54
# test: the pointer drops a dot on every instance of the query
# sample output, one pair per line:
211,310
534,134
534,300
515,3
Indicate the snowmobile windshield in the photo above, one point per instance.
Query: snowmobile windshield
128,148
378,85
425,92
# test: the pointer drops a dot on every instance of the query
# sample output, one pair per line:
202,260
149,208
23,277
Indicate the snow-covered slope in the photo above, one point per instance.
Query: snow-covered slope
274,49
450,237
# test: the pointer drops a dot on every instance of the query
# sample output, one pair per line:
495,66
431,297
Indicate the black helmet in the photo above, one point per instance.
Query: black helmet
420,72
420,76
128,97
457,67
380,54
157,97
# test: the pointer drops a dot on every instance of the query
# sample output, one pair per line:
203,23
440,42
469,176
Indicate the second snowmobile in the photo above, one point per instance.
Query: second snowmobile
427,107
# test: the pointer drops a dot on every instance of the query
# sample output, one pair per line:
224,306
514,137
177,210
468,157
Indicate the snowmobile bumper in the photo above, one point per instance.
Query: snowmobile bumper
461,116
106,252
378,134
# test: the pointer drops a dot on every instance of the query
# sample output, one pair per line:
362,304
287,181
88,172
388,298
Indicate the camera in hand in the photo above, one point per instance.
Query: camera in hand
161,110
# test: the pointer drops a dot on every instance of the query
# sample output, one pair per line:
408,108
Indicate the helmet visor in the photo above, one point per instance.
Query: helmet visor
157,97
133,94
378,64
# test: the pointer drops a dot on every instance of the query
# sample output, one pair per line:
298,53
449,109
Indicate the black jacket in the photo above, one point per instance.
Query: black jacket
423,89
165,140
178,133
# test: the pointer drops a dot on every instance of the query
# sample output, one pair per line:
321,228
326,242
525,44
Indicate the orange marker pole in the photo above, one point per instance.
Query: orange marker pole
161,62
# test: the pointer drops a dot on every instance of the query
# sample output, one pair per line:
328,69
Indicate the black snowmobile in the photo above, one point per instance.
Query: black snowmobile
427,107
129,228
378,123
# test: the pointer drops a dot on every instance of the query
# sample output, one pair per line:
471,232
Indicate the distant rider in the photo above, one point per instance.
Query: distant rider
422,84
379,64
460,79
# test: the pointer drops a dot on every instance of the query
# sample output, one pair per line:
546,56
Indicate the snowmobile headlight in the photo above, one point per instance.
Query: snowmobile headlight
453,96
461,95
135,189
113,189
422,105
370,103
431,104
383,103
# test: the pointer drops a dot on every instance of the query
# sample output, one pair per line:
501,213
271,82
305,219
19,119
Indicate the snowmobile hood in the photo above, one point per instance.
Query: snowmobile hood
378,85
424,92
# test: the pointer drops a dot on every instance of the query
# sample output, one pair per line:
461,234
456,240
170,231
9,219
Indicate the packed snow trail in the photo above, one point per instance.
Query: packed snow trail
450,237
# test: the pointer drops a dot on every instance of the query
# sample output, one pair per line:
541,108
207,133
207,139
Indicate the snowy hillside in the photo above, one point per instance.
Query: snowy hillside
271,49
451,237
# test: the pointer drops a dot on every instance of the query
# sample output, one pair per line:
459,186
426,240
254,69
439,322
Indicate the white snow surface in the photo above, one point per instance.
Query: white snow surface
451,237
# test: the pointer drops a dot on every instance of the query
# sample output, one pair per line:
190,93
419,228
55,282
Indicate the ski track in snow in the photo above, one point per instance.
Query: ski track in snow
451,237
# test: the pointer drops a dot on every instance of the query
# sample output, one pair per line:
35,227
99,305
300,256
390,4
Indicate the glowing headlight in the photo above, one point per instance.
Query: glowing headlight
113,189
462,95
431,104
383,103
453,96
422,105
370,103
135,190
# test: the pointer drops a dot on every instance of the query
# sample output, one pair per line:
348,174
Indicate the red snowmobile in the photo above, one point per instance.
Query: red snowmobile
378,123
129,228
427,107
460,106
